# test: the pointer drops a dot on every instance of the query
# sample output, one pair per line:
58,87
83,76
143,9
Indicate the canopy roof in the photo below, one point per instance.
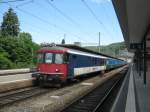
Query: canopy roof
134,19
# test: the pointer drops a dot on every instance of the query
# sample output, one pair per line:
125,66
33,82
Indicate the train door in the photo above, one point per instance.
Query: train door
41,62
71,65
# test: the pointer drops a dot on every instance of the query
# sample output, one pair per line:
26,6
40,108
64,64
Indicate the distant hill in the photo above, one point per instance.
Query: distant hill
112,49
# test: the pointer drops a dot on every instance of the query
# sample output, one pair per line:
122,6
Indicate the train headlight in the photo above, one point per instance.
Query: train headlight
57,70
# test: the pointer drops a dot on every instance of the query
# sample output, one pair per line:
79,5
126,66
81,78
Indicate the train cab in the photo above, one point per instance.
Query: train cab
52,65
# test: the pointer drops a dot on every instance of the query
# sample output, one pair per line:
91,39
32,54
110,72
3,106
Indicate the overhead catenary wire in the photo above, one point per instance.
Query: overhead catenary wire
25,3
32,26
67,17
11,26
10,1
62,13
37,17
92,12
43,20
35,27
95,16
47,22
108,16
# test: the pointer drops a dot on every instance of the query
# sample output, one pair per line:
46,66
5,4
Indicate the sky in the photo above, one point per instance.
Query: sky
52,20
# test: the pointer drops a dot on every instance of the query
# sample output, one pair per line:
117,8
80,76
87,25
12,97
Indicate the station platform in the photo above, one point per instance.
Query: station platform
134,95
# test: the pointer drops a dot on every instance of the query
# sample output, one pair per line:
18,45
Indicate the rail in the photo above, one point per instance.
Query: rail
96,99
15,96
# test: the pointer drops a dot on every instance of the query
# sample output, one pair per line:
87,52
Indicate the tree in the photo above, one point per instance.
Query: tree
5,62
0,32
18,52
63,41
27,44
10,24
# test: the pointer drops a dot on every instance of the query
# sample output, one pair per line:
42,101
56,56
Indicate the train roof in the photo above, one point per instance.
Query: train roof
71,46
74,47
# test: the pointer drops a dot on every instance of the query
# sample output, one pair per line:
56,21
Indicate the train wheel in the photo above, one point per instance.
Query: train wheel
41,83
58,85
61,84
103,72
35,82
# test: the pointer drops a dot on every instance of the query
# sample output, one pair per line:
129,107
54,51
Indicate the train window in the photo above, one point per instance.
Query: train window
66,58
48,57
58,58
74,56
104,61
40,58
96,61
101,62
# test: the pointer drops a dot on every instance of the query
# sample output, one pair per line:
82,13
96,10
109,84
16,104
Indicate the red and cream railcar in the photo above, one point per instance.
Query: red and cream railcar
58,64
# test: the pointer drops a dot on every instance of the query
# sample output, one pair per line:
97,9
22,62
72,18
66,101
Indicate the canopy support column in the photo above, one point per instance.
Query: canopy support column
144,59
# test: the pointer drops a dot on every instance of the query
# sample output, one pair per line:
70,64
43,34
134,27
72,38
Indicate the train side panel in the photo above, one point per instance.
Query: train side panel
113,63
79,65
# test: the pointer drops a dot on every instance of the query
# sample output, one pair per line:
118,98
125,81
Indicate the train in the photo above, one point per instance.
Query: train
57,64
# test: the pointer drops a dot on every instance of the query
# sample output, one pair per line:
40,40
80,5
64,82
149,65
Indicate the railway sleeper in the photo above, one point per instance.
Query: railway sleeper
90,102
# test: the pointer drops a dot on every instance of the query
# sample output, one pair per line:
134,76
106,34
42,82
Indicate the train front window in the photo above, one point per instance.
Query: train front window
59,58
40,58
48,58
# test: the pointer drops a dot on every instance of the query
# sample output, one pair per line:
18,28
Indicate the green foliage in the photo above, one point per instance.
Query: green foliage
5,62
0,33
20,51
10,24
35,48
16,49
112,49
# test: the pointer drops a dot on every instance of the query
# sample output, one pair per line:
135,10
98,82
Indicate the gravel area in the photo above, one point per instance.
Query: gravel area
56,100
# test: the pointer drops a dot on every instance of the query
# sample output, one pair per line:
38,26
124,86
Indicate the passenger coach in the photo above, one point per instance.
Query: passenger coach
57,64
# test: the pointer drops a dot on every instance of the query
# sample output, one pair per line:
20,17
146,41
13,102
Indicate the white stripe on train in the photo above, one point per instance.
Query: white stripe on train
85,70
85,54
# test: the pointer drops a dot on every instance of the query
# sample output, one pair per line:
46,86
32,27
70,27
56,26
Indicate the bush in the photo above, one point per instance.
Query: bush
19,51
5,63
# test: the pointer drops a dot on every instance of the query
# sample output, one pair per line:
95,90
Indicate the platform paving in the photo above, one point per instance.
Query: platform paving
134,95
131,101
142,92
12,82
12,78
138,98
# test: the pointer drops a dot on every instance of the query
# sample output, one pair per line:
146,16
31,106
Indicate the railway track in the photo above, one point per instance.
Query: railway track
99,100
22,94
11,97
